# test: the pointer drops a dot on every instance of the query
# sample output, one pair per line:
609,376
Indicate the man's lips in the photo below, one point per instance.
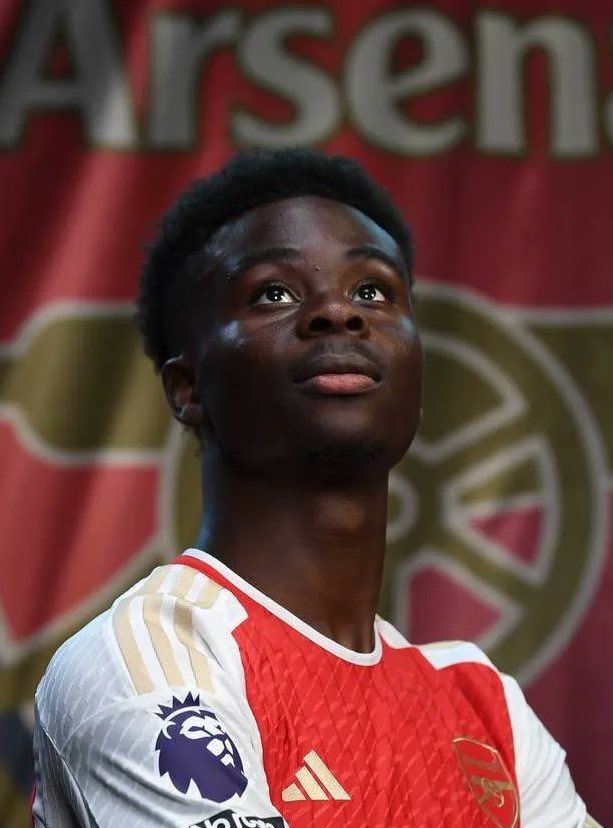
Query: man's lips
337,365
340,383
342,373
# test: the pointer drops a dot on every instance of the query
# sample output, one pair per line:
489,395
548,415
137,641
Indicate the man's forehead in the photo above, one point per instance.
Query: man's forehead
294,222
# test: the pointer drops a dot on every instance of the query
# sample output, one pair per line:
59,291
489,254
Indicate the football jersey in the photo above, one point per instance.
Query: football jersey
196,700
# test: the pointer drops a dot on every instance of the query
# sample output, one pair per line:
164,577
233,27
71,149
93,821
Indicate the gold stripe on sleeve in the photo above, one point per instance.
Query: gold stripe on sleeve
184,628
208,595
129,649
186,578
154,581
152,613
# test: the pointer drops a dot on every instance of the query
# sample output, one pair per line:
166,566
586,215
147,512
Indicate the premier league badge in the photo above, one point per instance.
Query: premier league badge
229,819
193,746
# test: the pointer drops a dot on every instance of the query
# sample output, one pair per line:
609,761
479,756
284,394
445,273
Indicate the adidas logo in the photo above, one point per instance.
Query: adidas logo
310,775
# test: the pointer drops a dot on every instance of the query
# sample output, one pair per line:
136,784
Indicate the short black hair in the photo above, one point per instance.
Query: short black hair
249,180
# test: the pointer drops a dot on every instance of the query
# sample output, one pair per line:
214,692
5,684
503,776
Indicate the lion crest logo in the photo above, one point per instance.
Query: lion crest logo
193,746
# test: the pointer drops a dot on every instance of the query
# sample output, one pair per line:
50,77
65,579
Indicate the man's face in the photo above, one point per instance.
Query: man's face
297,287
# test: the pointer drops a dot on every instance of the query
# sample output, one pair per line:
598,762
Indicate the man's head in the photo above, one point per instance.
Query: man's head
283,264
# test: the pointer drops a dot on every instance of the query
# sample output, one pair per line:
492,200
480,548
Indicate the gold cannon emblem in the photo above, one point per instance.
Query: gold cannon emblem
488,780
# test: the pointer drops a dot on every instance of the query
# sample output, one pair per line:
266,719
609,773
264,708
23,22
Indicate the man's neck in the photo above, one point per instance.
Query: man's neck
316,551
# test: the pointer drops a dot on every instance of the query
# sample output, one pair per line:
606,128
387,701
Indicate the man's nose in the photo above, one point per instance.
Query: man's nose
331,313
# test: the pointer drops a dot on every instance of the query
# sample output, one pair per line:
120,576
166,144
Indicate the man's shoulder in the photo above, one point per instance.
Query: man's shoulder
442,654
173,629
144,711
459,666
463,665
439,654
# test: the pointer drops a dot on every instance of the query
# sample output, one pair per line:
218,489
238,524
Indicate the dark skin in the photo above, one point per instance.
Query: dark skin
295,481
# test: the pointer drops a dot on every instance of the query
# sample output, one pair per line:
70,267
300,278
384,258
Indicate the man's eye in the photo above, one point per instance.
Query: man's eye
369,290
272,294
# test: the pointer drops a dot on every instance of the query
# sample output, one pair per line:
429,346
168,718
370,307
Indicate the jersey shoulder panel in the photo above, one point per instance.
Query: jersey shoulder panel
146,707
172,629
441,654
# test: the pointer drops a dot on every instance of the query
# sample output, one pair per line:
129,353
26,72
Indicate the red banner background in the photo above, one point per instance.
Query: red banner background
491,125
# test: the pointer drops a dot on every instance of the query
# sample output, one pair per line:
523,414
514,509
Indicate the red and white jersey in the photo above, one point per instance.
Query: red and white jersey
198,701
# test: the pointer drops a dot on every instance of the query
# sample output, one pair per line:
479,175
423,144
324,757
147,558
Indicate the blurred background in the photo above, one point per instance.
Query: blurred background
491,124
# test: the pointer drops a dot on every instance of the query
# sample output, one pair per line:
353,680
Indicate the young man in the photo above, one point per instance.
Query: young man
250,682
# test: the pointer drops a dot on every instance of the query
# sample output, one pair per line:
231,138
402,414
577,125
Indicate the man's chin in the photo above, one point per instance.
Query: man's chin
351,455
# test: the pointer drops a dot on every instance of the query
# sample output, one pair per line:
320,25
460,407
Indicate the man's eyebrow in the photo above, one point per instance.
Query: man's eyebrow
371,251
268,254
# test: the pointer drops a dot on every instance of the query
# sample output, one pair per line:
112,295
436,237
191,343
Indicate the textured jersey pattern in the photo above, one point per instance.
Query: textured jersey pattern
197,702
385,730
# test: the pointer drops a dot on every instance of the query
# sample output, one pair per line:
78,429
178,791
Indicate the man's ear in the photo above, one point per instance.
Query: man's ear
180,387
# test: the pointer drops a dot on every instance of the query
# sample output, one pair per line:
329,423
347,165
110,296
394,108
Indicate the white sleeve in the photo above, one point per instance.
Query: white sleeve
57,800
120,745
546,791
175,759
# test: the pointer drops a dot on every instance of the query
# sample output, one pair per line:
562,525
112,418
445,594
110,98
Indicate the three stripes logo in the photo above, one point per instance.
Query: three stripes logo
154,629
316,783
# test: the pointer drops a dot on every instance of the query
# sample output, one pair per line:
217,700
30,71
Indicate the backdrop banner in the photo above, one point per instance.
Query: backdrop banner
490,124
